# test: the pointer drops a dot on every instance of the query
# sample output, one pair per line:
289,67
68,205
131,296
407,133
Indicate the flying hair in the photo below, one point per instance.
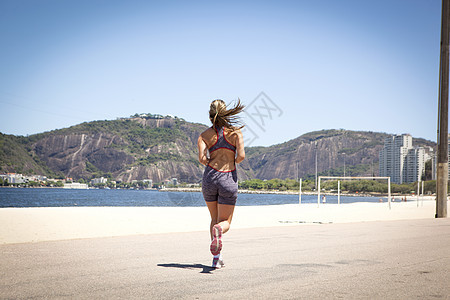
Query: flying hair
222,116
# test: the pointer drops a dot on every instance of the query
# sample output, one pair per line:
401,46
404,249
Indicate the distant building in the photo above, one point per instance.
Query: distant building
401,161
149,181
41,177
393,155
36,178
173,181
75,185
415,164
99,180
15,178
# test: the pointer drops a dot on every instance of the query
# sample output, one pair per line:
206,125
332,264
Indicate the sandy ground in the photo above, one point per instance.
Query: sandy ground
23,225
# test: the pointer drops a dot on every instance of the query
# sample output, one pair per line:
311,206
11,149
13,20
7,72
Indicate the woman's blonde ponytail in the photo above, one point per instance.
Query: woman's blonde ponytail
221,116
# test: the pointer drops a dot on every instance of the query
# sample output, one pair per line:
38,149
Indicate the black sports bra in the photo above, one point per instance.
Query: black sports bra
221,142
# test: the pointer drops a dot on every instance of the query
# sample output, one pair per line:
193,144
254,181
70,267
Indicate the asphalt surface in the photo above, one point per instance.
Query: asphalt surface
372,260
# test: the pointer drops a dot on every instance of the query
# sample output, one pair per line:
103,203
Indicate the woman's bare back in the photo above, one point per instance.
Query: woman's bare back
222,159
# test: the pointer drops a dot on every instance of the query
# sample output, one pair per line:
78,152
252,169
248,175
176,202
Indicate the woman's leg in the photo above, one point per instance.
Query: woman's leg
214,212
224,216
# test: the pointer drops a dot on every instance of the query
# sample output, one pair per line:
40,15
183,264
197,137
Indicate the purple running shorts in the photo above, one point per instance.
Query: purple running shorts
220,186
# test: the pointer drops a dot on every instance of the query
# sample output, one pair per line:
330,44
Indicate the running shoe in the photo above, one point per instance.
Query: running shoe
216,244
218,262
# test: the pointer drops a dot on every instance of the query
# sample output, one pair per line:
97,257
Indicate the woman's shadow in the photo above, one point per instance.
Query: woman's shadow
205,269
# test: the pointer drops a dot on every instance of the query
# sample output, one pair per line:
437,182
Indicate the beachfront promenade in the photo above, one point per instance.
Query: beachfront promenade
397,258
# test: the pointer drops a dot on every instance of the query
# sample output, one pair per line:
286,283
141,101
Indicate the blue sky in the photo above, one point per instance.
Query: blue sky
357,65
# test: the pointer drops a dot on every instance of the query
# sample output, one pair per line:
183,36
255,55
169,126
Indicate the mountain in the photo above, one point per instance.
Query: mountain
297,157
155,147
16,156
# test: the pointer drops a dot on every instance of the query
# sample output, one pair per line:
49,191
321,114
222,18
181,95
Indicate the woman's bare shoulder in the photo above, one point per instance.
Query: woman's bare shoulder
208,133
234,132
233,135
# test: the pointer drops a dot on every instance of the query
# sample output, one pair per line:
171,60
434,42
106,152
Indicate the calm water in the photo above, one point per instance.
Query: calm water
29,197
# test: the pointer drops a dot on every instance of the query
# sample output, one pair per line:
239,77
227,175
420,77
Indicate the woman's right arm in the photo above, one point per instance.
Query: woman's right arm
202,151
240,152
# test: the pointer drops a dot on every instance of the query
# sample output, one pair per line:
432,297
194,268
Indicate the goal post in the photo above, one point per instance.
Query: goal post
338,178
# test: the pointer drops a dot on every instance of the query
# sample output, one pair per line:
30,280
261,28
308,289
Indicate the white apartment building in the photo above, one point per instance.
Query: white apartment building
76,185
393,156
400,160
149,181
14,178
415,164
99,180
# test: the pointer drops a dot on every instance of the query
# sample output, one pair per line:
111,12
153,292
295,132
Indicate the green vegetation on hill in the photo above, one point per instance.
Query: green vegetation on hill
378,137
153,158
141,138
16,157
145,140
96,173
135,136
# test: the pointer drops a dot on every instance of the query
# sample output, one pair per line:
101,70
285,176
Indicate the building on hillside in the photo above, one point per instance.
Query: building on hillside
99,180
173,181
75,185
149,181
36,178
401,161
15,178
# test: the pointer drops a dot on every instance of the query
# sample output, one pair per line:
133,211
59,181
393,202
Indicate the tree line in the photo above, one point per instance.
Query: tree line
353,186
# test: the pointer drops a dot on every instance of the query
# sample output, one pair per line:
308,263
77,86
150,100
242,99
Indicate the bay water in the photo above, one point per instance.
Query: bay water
56,197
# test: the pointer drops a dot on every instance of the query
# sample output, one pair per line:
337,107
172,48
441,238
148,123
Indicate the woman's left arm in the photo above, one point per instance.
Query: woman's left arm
202,151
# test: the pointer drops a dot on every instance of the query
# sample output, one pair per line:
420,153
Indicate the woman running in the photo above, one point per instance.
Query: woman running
220,148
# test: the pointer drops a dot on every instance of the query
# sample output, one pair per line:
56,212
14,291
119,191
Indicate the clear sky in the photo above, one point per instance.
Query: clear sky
357,65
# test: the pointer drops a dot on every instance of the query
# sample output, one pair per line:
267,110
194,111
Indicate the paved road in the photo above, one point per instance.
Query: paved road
373,260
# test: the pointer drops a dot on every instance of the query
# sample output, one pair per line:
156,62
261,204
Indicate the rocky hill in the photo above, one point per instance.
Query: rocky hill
357,150
159,148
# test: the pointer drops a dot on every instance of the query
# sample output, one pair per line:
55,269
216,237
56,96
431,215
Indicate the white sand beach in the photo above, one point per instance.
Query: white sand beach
23,225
